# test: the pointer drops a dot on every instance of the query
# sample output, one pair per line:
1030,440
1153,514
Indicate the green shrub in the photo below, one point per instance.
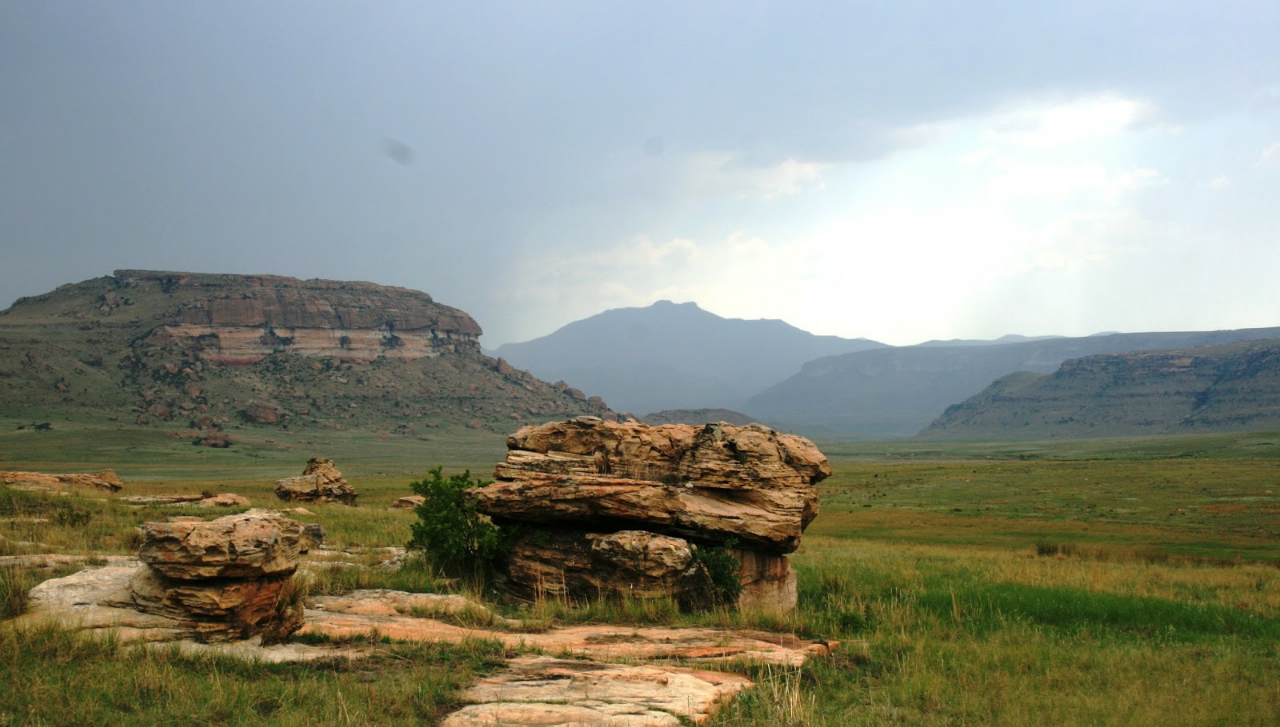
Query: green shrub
723,572
450,530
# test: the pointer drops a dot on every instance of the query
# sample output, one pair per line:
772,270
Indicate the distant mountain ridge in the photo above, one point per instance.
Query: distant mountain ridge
899,391
673,356
1227,387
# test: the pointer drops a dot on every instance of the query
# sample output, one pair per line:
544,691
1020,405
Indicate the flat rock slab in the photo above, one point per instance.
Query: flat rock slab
346,617
105,480
540,690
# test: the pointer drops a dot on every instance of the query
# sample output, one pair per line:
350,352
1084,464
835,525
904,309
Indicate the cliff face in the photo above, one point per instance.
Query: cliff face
241,319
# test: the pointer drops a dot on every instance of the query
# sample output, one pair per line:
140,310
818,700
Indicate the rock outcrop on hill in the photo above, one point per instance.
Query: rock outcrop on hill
897,391
624,507
1230,387
220,580
320,482
241,319
217,352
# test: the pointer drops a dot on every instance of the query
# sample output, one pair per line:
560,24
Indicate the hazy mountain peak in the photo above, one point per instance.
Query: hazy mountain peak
674,355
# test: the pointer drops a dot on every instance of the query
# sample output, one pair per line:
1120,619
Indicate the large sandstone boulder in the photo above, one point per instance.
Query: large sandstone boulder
320,482
621,508
253,544
714,483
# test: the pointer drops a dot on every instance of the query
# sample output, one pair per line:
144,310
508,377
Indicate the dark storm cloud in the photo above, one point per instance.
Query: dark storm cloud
413,144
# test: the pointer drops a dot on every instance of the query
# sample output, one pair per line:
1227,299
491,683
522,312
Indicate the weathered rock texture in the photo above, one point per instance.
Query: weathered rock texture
541,690
320,482
221,580
613,506
423,617
106,480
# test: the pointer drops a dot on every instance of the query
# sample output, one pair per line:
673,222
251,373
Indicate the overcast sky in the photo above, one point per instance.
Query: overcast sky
900,171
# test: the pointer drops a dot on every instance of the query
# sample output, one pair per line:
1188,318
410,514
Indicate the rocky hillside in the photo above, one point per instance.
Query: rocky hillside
1230,387
899,391
188,349
674,356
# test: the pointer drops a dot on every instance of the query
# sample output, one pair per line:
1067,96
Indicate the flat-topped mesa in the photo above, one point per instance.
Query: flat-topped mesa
241,319
712,484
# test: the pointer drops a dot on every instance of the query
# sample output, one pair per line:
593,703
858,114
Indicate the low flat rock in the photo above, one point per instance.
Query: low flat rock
344,617
541,690
106,480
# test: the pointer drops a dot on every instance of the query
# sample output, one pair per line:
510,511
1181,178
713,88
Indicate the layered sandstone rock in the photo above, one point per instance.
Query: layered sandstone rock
241,319
220,580
320,482
106,480
592,480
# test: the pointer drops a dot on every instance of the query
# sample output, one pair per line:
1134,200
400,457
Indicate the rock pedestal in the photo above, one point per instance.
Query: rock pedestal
624,507
320,482
221,580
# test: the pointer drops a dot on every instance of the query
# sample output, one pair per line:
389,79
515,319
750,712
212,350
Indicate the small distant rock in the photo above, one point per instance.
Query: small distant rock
408,502
320,482
261,414
216,440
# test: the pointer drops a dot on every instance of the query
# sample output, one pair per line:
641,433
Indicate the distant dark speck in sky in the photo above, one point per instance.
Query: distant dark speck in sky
398,151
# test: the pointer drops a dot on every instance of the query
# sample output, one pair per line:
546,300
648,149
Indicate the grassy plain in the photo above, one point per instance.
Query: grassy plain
1126,582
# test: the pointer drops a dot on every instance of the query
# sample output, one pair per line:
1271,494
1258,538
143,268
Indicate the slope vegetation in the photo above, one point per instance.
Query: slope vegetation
211,351
1229,387
899,391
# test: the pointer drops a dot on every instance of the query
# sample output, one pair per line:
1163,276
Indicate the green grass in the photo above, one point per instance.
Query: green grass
52,677
967,585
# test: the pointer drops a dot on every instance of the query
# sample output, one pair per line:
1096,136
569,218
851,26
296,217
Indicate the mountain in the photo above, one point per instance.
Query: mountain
673,356
188,349
1011,338
899,391
698,416
1228,387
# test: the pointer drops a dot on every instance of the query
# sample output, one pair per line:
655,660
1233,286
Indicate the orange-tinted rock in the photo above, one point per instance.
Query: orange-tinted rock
106,480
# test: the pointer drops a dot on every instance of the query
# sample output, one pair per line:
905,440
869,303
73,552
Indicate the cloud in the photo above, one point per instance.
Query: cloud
1073,122
1270,155
726,173
1220,182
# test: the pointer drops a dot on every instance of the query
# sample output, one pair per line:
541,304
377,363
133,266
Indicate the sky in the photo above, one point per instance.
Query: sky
890,170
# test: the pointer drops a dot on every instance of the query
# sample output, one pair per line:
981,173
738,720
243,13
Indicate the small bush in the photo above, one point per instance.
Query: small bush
723,573
451,531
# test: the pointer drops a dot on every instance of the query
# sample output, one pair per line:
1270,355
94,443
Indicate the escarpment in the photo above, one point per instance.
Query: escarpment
241,319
